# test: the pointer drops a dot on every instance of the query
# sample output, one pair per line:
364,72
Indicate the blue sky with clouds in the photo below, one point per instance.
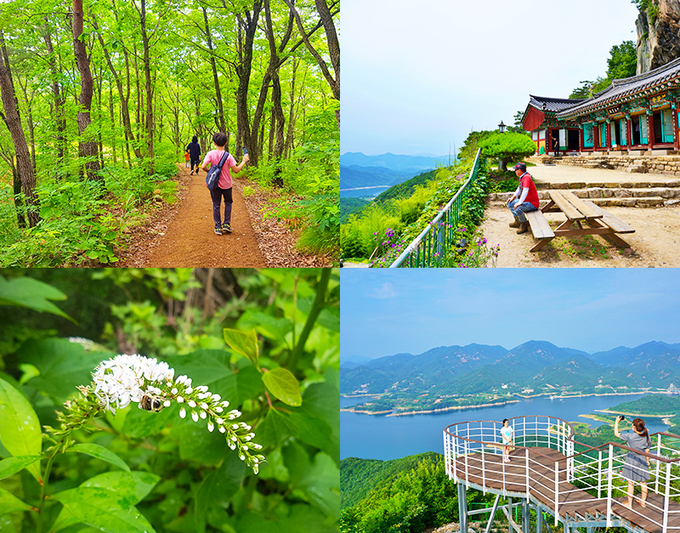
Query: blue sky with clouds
384,312
418,76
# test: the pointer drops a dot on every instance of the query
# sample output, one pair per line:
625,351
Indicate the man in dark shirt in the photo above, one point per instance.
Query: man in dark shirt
194,150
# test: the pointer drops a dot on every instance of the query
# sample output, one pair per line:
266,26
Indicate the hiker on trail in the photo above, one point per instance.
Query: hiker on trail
524,199
187,157
194,150
507,438
223,188
636,467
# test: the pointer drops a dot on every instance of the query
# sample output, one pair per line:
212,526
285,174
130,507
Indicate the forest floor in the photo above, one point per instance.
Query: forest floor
655,243
182,234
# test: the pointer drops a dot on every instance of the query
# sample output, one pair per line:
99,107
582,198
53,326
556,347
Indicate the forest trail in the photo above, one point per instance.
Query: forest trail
187,238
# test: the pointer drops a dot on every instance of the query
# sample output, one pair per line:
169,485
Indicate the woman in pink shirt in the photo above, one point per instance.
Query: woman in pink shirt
224,185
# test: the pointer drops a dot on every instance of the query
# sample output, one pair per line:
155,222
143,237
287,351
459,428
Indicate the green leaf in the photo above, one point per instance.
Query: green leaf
12,465
31,293
140,424
135,485
218,488
63,365
10,503
104,509
128,486
329,318
20,428
243,343
282,384
95,450
267,325
204,367
197,443
322,483
274,429
313,520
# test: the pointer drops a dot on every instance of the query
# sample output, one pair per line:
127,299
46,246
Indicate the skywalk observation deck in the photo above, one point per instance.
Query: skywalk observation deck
552,475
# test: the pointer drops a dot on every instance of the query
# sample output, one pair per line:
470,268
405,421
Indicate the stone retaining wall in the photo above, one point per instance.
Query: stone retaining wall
647,163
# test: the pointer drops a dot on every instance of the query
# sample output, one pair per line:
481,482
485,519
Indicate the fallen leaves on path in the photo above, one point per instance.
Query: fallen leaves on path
277,242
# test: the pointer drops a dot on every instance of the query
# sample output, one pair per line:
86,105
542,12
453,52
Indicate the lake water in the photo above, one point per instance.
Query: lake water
364,192
391,437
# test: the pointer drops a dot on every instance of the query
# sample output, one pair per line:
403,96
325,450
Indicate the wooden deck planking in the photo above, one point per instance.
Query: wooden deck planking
574,504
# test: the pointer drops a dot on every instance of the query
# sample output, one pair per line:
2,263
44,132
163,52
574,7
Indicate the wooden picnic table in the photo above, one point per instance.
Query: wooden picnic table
583,218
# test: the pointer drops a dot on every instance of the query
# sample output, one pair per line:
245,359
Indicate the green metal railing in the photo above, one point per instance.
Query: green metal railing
428,248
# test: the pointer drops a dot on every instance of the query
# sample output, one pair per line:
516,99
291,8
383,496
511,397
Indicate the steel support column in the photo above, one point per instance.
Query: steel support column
462,508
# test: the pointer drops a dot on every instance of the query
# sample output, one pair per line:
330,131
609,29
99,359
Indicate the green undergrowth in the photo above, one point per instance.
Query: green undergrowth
82,222
469,248
307,186
382,229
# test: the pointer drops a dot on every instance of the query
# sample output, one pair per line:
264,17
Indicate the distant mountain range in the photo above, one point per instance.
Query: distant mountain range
360,170
534,367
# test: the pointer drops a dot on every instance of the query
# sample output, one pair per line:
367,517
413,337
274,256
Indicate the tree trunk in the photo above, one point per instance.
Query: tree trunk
87,146
291,114
278,120
124,98
247,27
13,121
31,123
333,46
149,91
59,115
218,94
112,117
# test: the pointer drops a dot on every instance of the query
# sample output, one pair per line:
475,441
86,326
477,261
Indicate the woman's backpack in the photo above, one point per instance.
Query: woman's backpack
213,175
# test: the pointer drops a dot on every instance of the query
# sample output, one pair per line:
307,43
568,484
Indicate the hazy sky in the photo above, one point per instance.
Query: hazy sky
418,76
384,312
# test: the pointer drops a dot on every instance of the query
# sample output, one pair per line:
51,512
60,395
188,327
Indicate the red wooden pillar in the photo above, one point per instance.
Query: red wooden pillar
581,139
650,130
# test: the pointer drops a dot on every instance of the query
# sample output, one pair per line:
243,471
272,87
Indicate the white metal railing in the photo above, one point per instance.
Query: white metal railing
592,473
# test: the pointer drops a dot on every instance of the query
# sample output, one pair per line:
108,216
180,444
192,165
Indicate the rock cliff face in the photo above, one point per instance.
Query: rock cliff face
658,41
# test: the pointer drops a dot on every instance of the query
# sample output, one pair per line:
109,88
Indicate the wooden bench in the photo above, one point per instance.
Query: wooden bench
539,225
583,217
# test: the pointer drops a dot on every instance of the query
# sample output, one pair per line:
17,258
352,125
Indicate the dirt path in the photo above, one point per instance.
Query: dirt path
184,236
655,243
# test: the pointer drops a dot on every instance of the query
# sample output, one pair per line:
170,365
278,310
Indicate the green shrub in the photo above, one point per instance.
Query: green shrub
507,147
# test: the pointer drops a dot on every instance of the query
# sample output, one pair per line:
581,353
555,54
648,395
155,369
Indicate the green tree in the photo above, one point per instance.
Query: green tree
507,147
621,64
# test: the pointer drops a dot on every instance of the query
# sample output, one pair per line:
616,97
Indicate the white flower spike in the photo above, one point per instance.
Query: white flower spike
152,385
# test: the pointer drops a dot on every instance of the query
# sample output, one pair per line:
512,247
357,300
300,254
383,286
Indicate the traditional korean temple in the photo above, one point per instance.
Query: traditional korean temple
631,116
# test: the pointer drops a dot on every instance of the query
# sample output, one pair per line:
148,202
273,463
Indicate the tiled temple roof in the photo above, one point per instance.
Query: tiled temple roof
552,105
664,77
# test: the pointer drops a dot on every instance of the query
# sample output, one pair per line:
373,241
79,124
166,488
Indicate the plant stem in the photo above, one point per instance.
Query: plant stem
43,490
317,305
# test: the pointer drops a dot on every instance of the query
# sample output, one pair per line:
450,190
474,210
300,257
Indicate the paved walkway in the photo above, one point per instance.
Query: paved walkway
547,174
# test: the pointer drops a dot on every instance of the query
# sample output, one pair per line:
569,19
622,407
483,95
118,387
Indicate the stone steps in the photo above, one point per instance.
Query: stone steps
612,196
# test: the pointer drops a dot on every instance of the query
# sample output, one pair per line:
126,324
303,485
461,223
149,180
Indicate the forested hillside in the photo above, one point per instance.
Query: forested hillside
455,376
100,99
408,495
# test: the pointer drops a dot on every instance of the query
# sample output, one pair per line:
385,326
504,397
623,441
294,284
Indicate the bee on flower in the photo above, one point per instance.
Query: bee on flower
151,384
